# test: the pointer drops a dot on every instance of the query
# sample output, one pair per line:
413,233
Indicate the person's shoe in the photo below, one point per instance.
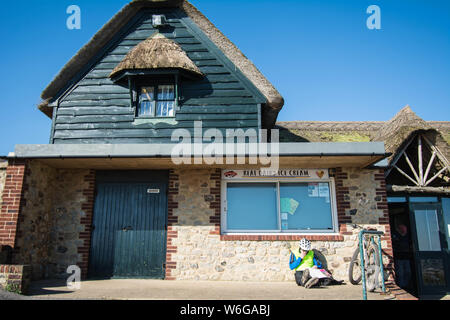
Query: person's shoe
305,276
311,282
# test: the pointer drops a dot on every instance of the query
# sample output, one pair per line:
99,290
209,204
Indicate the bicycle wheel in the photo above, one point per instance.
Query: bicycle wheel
372,268
354,270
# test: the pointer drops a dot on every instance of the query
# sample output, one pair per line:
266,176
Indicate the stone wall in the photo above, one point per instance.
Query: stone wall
56,212
66,237
49,225
35,218
199,252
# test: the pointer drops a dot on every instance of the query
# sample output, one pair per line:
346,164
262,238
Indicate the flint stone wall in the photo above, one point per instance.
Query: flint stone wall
49,222
50,228
202,255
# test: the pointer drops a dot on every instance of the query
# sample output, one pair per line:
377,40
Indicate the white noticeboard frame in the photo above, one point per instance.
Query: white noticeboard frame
315,176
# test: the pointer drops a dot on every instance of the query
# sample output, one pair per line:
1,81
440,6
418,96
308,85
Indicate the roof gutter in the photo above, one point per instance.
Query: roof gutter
302,149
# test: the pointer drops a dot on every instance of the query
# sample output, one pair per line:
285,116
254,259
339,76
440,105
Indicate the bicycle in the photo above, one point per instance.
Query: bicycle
372,266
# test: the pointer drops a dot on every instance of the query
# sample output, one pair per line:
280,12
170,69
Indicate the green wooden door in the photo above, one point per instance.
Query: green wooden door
430,248
129,231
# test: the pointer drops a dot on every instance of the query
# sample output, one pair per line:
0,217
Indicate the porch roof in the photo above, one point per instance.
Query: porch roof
97,156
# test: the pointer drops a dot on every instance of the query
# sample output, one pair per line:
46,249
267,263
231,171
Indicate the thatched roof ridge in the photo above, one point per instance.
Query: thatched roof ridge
157,52
274,100
400,128
405,118
372,128
394,133
333,125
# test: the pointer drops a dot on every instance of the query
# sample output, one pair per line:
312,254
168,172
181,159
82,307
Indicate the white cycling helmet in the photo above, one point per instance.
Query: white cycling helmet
305,244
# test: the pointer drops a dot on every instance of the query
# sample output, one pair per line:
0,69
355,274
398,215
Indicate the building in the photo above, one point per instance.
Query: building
417,184
106,194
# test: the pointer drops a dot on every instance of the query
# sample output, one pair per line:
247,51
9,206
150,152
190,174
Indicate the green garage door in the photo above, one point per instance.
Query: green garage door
129,226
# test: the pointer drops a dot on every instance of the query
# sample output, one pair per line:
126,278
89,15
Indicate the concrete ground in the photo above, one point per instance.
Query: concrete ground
195,290
5,295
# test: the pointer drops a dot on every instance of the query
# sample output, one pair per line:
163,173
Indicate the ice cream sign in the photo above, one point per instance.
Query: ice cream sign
307,174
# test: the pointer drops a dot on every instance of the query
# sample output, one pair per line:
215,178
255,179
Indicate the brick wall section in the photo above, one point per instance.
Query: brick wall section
171,221
15,277
23,203
382,204
86,221
342,199
215,200
3,166
12,202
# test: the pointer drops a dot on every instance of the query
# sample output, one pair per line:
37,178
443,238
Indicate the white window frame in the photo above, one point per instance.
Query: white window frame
156,100
277,181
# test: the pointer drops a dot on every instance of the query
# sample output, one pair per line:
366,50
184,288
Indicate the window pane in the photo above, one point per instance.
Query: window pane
252,206
427,230
305,206
165,109
160,109
147,94
170,108
147,103
166,92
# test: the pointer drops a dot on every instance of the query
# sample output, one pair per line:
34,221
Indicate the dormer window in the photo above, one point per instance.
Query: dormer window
154,71
157,101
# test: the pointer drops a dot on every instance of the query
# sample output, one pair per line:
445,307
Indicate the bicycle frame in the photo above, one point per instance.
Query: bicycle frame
361,253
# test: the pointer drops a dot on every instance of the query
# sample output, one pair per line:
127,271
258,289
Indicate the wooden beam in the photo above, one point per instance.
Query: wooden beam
419,156
397,157
436,175
412,168
429,166
440,190
406,175
439,153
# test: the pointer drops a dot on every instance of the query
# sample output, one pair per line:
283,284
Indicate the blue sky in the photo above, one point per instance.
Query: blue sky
319,54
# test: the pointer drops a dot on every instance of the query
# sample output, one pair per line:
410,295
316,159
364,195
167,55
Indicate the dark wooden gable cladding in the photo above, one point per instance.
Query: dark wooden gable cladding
96,110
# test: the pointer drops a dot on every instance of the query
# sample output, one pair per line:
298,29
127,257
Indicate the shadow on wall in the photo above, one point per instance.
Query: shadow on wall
6,254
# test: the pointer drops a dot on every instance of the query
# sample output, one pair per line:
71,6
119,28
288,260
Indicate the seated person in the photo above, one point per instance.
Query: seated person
402,254
309,271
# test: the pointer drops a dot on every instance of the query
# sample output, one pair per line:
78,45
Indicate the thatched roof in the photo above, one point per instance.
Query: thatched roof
274,100
44,108
393,133
399,129
328,131
157,52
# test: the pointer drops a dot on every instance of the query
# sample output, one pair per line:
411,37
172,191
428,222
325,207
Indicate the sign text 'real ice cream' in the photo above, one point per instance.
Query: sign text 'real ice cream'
307,174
